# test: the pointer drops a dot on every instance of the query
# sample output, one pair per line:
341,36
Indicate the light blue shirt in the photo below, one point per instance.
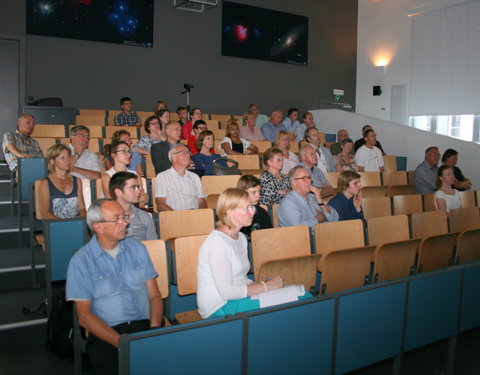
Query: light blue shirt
296,210
288,124
261,120
269,130
318,177
116,287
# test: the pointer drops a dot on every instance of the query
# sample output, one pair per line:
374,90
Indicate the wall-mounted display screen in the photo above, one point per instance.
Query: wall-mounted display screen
113,21
259,33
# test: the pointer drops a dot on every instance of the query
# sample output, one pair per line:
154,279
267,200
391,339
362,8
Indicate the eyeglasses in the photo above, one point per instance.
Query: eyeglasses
304,178
123,151
248,208
184,152
118,219
134,187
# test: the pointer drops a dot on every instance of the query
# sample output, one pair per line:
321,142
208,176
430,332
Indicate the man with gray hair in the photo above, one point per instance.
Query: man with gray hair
336,148
303,205
159,151
83,163
112,282
272,127
177,188
308,159
20,144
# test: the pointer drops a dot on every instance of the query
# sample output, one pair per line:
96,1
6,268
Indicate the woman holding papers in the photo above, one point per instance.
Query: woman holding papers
223,287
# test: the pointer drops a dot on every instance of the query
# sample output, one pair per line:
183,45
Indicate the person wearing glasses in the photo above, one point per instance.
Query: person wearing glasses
83,163
125,189
274,183
177,188
112,283
309,160
304,204
223,287
198,127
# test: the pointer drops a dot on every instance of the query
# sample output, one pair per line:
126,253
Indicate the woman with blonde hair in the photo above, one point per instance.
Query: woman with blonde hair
446,197
232,144
223,287
249,130
274,183
61,193
282,142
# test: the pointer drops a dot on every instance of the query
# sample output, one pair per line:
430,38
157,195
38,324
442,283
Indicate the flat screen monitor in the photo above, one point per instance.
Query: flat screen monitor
264,34
113,21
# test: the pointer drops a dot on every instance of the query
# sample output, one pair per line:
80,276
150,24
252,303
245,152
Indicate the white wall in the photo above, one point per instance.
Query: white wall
384,32
401,140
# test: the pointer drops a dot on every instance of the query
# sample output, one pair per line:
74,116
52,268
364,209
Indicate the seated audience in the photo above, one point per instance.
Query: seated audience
112,283
20,144
83,163
324,156
260,119
425,177
336,148
61,194
450,158
223,287
303,205
446,197
159,105
182,115
291,121
121,155
204,157
345,160
348,203
274,184
308,158
164,118
195,115
272,127
249,130
232,144
176,188
282,142
124,187
135,161
360,142
198,127
369,157
159,151
127,117
261,219
307,124
154,135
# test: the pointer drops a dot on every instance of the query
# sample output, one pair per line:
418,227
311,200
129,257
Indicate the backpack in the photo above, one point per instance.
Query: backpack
60,326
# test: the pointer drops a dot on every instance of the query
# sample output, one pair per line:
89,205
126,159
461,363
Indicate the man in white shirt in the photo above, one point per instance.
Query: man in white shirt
325,158
369,157
177,188
308,123
83,163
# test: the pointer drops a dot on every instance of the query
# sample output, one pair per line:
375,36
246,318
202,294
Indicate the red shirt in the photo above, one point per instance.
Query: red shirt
191,145
187,130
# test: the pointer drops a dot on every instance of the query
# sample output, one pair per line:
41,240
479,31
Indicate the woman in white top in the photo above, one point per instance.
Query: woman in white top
222,284
120,155
232,144
282,142
446,197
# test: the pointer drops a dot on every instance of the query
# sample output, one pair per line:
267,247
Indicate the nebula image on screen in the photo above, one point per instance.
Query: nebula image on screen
114,21
264,34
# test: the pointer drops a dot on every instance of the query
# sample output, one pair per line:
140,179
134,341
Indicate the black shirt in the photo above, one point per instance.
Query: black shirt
261,220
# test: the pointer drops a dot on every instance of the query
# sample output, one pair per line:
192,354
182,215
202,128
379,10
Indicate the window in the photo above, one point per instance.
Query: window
464,127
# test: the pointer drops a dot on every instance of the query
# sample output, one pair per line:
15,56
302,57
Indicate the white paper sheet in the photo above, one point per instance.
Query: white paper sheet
274,297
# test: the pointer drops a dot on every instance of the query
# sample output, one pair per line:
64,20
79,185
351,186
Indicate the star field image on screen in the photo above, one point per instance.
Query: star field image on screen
114,21
264,34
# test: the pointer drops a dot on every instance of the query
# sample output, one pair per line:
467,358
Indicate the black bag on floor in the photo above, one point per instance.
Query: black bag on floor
60,326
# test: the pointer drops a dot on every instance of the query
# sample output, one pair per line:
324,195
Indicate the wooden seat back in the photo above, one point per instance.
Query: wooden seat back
430,223
48,131
278,243
390,163
246,161
467,198
295,270
436,252
45,143
111,116
464,219
407,204
212,201
219,134
388,229
186,261
376,207
332,177
468,249
214,125
218,184
183,223
411,175
374,191
395,178
370,178
395,260
346,269
429,202
92,112
89,120
262,145
400,190
158,256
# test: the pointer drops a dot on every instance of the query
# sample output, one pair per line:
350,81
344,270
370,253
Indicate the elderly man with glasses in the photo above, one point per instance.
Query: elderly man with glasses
112,282
177,188
303,205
